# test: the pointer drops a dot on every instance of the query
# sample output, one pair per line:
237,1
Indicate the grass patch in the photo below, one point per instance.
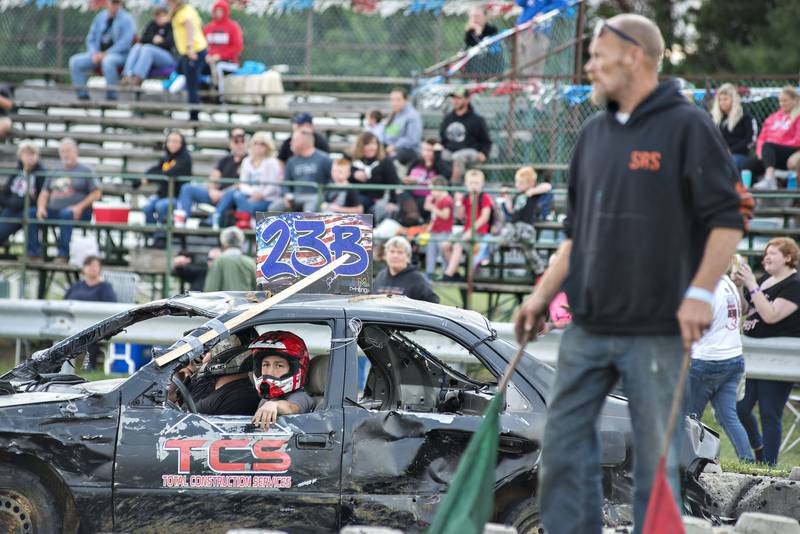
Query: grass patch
730,462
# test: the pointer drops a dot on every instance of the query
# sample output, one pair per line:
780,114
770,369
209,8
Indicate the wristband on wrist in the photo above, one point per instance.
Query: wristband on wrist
754,291
698,293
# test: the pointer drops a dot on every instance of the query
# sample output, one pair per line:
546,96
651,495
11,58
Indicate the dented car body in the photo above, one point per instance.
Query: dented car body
380,448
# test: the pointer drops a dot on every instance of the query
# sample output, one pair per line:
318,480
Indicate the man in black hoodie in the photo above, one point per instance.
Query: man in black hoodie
464,135
652,219
401,278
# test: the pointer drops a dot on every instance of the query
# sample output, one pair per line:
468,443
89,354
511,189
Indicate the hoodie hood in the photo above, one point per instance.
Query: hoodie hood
226,8
666,95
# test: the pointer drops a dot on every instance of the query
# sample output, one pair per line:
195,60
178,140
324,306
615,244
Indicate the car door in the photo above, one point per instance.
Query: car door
210,473
400,456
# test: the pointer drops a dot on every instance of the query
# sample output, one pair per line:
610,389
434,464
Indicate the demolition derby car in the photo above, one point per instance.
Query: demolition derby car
398,385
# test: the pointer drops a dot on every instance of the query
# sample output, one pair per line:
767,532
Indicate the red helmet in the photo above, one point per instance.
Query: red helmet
286,345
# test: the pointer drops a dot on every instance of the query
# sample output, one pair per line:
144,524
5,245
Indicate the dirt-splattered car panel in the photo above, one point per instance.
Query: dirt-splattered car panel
124,457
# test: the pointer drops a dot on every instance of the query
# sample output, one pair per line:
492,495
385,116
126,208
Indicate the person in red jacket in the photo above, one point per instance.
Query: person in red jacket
225,43
778,144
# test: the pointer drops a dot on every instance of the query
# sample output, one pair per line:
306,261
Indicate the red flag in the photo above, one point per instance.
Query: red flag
662,513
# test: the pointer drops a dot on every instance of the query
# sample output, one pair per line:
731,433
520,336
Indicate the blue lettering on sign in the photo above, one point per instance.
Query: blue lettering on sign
309,233
308,237
273,267
345,241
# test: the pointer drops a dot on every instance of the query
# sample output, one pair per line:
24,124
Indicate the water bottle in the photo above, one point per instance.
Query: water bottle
791,180
747,178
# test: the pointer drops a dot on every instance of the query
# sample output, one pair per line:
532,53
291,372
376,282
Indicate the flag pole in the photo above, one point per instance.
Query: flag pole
506,378
676,402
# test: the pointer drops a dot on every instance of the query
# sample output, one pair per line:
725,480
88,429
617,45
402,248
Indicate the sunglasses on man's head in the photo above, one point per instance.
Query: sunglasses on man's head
602,26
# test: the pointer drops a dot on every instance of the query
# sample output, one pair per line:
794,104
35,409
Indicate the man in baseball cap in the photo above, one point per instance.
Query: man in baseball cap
301,119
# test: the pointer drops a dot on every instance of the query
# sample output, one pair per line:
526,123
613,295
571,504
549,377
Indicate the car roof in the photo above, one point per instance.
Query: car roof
221,302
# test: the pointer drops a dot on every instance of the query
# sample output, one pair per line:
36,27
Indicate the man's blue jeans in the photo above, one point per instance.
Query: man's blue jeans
80,64
589,365
64,230
235,199
716,381
145,57
191,193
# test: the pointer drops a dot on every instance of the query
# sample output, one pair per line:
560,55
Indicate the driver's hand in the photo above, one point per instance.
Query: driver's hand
172,394
266,414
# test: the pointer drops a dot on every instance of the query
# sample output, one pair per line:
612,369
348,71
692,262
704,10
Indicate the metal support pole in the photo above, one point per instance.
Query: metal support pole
59,38
578,67
309,39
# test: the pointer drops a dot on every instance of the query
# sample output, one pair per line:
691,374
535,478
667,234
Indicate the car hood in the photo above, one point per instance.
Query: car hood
37,397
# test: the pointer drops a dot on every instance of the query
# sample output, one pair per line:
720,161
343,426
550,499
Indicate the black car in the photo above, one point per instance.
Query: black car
399,387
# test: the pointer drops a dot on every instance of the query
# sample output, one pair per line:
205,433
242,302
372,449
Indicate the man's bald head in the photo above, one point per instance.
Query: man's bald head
645,32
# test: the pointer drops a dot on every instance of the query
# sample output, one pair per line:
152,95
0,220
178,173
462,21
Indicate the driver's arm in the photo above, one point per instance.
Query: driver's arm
269,411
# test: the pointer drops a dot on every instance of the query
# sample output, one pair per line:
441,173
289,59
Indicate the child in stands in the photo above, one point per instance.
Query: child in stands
342,200
440,205
522,211
474,180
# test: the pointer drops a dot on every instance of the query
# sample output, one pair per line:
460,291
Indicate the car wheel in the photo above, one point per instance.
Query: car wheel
525,517
26,506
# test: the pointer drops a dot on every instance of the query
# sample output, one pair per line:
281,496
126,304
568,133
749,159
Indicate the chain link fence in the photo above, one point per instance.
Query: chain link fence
537,122
334,41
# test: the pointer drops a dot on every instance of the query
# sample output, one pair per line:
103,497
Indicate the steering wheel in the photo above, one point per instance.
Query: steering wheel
188,400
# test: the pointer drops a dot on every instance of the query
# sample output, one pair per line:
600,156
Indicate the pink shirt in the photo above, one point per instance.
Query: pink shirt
779,128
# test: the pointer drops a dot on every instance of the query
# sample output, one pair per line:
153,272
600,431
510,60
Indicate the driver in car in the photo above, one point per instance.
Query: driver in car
221,385
280,369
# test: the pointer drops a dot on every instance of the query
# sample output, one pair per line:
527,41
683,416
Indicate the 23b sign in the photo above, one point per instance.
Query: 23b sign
294,245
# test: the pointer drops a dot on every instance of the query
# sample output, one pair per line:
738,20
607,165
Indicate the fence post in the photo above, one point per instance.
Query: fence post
437,53
510,122
309,39
578,67
59,38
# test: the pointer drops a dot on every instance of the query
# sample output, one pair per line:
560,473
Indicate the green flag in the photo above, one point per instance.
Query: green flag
469,502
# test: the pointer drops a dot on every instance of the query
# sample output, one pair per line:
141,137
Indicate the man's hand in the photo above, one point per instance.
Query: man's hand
266,415
157,39
181,260
214,195
41,213
360,175
481,157
256,196
76,211
97,57
530,319
694,318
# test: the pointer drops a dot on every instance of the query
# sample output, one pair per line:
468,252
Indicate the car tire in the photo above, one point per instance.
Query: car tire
525,517
26,506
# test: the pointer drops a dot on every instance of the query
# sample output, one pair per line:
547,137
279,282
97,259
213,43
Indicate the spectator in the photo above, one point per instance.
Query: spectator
371,166
779,139
422,171
259,181
401,278
522,212
718,365
464,135
29,173
225,43
6,105
474,181
403,130
232,270
737,127
477,29
177,162
770,305
532,44
192,47
440,205
107,45
308,164
191,271
305,121
341,200
374,124
93,289
213,190
68,195
153,51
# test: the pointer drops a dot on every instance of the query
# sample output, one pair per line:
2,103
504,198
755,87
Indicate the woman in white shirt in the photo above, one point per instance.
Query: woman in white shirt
260,178
718,366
